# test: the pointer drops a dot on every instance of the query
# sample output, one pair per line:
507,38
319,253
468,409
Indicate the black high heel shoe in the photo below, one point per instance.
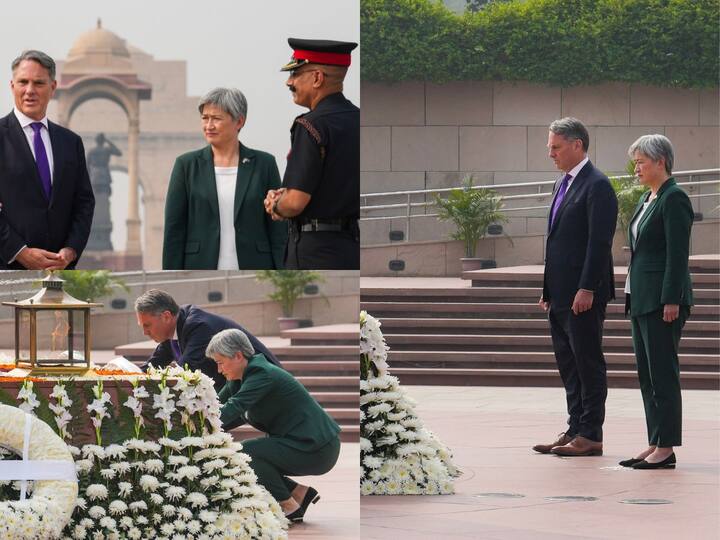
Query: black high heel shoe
629,462
311,496
667,463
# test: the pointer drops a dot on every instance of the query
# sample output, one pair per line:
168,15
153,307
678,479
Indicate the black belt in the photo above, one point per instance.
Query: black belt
328,225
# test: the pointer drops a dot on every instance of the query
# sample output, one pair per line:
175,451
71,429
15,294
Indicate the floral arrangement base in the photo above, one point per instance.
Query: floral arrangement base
398,455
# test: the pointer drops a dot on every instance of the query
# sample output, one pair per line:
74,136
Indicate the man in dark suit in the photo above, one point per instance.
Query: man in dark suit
578,284
46,198
183,333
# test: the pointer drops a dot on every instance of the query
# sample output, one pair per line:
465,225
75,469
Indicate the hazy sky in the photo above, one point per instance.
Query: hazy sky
240,43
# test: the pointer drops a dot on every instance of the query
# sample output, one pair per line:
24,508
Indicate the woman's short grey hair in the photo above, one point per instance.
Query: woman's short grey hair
571,128
37,56
230,100
228,342
155,302
655,147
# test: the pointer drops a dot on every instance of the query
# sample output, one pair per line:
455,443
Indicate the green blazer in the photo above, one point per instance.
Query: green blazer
659,271
192,215
271,398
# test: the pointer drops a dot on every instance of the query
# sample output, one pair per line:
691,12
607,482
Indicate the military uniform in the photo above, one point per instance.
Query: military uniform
324,161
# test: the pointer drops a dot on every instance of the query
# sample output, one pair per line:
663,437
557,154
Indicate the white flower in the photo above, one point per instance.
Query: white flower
174,493
149,483
96,512
197,500
96,492
117,507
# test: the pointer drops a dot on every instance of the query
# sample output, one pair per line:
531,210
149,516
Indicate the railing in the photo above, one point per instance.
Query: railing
411,208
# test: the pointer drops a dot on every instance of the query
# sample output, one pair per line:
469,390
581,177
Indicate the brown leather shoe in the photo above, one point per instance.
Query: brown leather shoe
545,448
579,446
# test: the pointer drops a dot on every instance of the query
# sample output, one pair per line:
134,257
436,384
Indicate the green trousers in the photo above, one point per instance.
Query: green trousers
273,461
656,352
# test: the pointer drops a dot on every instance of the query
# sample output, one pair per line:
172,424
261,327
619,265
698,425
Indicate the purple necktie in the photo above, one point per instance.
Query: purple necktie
560,197
41,159
176,349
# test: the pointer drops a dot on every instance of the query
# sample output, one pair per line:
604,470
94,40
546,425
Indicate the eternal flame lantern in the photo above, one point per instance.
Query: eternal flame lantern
52,331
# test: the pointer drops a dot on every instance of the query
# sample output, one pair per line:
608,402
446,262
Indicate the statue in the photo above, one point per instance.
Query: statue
98,163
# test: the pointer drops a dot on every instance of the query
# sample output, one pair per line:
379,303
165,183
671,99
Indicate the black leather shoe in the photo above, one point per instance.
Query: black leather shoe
311,496
629,462
667,463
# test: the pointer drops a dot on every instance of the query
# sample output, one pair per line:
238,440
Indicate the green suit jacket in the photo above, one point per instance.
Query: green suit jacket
270,398
659,271
192,214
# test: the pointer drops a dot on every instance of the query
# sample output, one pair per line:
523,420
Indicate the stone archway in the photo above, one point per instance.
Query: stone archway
99,67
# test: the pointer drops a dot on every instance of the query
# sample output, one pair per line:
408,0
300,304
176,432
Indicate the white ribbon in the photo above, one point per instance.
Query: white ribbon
27,469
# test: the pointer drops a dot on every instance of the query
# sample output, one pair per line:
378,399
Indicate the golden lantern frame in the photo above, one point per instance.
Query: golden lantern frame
52,297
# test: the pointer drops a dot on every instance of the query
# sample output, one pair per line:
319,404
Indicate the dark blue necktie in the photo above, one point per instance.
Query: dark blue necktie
41,159
560,197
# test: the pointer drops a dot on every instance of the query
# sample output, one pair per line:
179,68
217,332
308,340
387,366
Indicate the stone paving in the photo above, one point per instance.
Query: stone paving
491,430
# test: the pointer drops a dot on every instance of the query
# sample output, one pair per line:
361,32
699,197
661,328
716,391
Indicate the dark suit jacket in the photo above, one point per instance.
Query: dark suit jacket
578,253
659,272
26,217
272,398
195,327
192,215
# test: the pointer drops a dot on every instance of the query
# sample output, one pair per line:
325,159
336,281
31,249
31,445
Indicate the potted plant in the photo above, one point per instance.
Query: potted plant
472,210
289,286
90,285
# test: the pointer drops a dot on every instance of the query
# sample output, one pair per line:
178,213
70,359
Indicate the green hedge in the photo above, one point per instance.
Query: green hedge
561,42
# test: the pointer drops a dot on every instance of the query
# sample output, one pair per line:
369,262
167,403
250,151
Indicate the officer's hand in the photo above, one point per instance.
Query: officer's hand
272,196
65,256
38,259
543,304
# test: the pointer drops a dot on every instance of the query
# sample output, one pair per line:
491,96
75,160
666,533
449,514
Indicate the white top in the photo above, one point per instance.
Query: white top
25,122
634,229
225,180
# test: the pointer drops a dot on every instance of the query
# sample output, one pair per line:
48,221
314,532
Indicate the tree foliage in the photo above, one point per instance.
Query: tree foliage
560,42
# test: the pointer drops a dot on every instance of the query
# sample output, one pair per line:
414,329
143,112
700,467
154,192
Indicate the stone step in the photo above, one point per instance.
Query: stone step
505,295
704,263
324,353
310,367
335,334
489,342
348,433
329,384
496,310
532,276
535,377
624,361
341,400
420,325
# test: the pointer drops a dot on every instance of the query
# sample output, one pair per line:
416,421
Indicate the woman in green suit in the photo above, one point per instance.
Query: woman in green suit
658,296
214,213
302,438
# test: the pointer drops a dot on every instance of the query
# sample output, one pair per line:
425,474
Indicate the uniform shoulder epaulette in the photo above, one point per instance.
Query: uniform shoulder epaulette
314,133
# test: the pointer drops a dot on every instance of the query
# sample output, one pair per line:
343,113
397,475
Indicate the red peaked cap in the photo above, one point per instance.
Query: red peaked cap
318,51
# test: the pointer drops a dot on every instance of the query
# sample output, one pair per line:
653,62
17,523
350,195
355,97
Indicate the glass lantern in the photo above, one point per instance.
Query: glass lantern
52,331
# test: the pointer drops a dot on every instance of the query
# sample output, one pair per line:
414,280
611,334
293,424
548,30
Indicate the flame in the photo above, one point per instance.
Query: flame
60,333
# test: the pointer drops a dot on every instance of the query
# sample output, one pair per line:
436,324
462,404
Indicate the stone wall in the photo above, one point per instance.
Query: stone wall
417,136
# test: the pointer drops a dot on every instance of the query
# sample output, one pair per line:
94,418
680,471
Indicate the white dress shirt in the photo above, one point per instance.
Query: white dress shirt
225,180
574,172
25,122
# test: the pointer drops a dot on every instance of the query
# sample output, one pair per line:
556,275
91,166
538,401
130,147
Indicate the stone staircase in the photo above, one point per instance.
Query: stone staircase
487,329
323,358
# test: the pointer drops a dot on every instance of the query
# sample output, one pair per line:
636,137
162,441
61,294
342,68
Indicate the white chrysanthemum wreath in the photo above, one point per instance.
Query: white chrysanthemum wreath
397,454
45,514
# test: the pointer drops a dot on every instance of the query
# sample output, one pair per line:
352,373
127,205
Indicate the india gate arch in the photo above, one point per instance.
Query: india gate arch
99,67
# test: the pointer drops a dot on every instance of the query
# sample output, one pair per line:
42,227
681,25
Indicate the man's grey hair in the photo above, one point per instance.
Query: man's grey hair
155,302
37,56
655,147
230,100
228,342
571,128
